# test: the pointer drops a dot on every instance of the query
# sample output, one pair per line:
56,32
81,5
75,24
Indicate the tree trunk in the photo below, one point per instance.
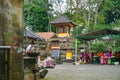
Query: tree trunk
95,18
98,2
71,6
11,33
89,15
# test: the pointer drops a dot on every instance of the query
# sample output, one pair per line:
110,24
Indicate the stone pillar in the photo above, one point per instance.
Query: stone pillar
11,33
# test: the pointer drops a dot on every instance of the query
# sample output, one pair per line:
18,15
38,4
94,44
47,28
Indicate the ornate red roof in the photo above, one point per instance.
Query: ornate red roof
46,35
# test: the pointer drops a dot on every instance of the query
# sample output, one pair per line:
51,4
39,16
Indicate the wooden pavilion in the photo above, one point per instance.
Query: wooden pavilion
61,43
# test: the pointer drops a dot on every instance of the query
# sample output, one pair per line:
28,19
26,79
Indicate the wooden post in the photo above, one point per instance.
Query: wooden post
76,50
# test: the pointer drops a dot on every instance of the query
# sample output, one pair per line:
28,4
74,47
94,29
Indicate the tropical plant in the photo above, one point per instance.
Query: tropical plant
98,46
36,14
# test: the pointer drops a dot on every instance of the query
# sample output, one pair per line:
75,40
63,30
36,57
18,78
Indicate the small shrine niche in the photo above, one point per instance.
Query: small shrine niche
62,28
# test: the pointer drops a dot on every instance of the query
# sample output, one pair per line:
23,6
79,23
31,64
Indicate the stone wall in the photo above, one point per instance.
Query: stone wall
11,27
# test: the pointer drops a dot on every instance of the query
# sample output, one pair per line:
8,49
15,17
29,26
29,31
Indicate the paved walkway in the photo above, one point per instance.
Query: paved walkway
68,71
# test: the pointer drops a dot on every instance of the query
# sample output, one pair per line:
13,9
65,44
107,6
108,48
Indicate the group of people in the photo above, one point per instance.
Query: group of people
99,57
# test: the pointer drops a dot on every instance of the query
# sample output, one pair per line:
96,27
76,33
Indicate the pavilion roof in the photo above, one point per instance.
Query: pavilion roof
62,19
98,33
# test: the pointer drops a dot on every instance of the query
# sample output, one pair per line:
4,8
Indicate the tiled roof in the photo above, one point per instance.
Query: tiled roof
46,35
30,34
62,19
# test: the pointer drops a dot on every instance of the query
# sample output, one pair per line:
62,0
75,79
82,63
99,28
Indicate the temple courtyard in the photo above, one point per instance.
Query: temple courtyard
68,71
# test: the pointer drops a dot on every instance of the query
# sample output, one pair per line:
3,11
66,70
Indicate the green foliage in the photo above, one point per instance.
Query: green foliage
35,14
98,46
78,19
74,43
78,30
116,24
111,10
116,46
108,13
105,45
38,13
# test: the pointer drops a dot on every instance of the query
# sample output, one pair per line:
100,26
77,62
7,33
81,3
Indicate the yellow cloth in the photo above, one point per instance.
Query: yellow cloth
69,55
63,35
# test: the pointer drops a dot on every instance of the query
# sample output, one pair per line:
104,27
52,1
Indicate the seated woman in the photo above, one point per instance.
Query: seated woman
29,48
